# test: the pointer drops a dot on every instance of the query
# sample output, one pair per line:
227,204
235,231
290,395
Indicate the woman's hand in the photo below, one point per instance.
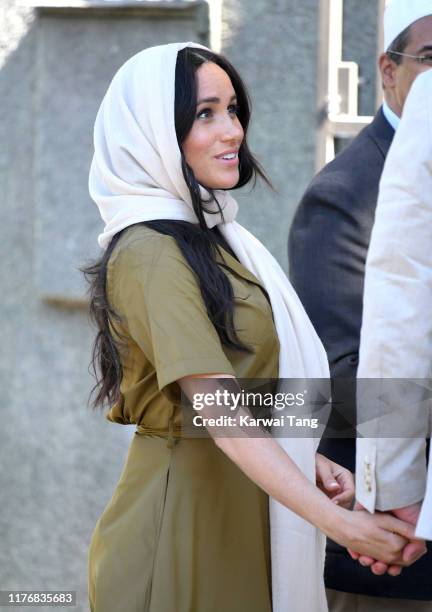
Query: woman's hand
335,481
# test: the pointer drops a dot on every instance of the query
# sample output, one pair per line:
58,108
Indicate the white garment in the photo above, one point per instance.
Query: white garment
136,176
391,116
396,335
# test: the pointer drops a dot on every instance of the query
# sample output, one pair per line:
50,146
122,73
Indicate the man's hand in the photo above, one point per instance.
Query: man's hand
412,551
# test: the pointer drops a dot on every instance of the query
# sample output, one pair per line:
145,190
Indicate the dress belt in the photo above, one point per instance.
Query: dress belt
172,435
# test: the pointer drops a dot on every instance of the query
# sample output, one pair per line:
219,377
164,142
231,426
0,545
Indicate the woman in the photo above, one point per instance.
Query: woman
182,291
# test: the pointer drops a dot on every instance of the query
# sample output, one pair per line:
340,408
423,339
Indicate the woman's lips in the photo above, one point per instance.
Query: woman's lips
229,159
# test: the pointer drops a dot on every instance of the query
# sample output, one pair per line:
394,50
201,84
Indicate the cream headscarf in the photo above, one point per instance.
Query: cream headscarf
136,176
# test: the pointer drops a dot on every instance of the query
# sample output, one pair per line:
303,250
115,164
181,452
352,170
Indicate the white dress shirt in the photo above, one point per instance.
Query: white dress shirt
391,116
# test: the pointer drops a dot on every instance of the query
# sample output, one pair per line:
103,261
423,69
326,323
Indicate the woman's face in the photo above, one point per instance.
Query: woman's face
211,147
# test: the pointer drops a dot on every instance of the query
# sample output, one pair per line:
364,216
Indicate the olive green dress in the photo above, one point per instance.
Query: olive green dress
186,530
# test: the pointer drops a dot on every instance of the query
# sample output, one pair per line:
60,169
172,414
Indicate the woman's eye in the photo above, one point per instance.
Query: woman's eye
204,113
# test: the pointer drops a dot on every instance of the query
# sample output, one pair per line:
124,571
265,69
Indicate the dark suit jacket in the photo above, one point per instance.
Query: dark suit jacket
328,244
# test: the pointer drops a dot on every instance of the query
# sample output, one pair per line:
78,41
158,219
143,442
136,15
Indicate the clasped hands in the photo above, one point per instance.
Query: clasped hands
368,535
413,549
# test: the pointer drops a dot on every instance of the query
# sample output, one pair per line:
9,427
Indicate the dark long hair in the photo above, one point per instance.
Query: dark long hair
198,244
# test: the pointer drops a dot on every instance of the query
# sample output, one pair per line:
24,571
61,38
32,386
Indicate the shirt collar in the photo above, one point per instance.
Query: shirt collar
391,116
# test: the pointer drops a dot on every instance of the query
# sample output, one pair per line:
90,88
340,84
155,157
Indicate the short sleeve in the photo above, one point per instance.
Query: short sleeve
158,297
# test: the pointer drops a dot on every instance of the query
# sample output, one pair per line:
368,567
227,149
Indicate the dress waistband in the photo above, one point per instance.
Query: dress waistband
172,434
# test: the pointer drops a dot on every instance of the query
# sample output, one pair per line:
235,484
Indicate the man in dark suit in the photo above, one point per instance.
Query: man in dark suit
328,245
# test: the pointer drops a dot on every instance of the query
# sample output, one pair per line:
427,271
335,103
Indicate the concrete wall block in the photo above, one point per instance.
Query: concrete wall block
76,58
275,50
360,46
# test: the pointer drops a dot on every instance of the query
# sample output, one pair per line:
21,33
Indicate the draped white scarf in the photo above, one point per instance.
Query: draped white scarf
136,176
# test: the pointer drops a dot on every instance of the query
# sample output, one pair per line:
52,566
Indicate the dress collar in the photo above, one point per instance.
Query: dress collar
238,268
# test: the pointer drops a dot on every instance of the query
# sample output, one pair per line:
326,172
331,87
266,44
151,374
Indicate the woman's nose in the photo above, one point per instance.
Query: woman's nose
232,129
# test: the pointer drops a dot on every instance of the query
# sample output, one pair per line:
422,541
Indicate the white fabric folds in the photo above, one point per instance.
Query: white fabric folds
396,334
136,176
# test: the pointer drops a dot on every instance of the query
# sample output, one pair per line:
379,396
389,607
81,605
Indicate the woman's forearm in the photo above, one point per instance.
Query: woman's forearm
261,458
264,461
